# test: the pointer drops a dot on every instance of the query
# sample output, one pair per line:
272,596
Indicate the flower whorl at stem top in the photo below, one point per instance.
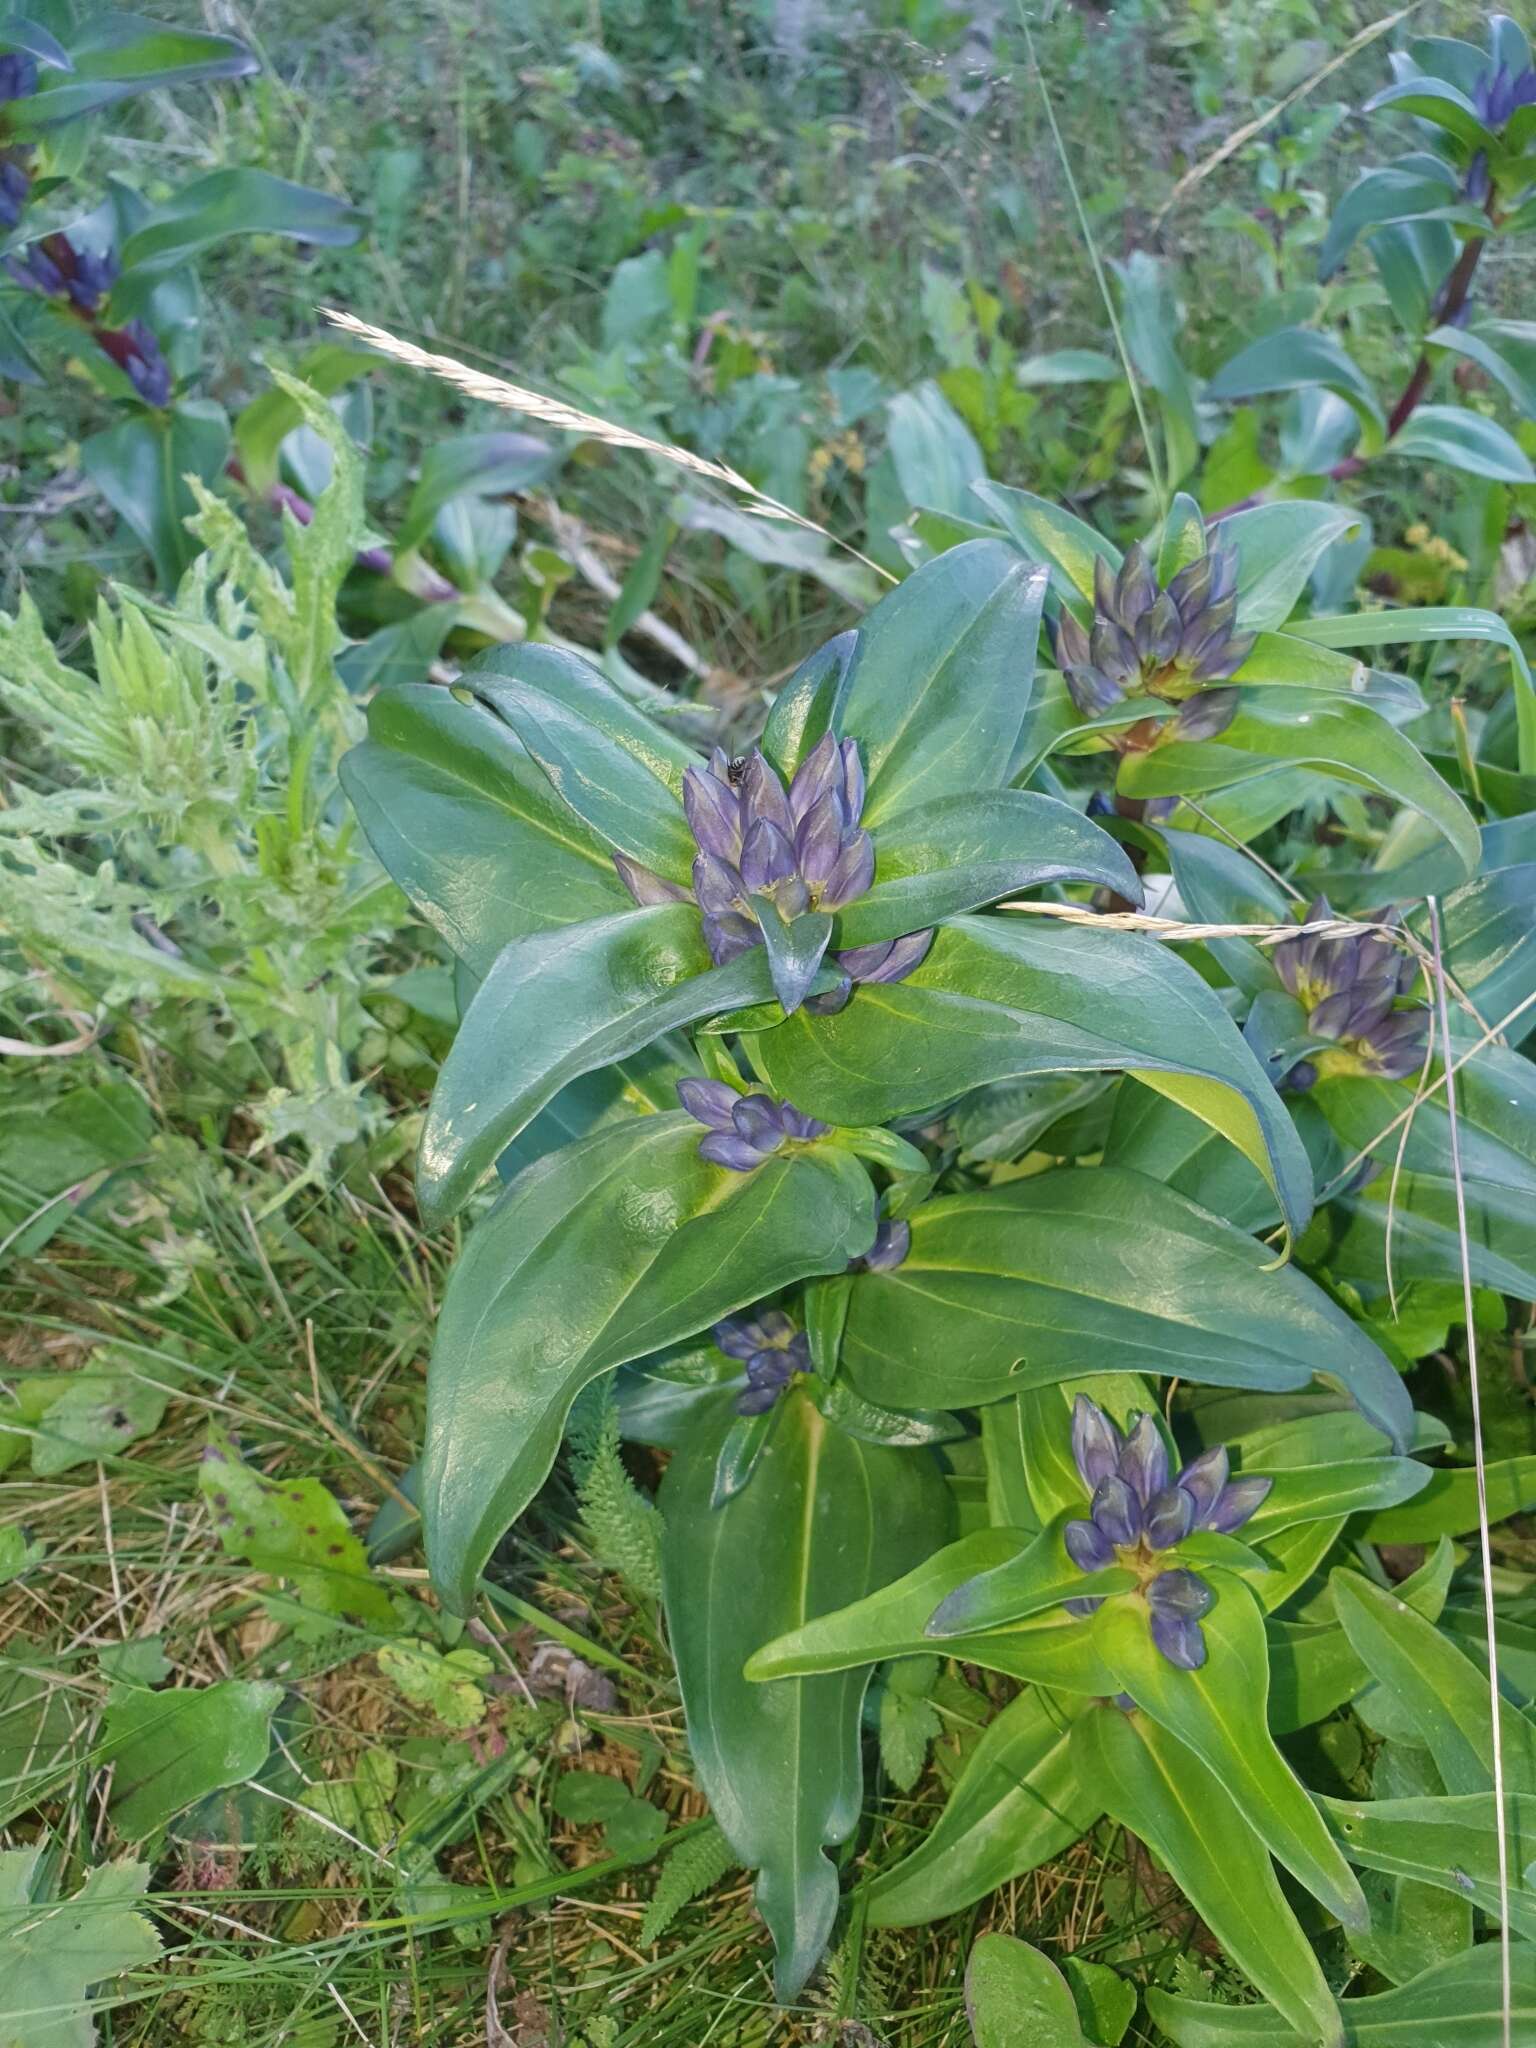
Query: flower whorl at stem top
1349,988
1501,90
1140,1509
773,1351
743,1130
1149,641
767,851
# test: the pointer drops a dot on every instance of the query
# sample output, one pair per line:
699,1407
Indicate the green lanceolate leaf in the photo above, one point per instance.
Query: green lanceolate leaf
794,950
1392,192
962,852
467,824
1057,1650
1025,1266
999,997
1447,1504
1465,440
1017,1803
1442,1692
1293,359
1327,732
472,465
1219,1712
239,201
118,55
1015,1997
1496,1116
942,678
1489,937
1187,1815
1459,2002
1036,1428
1452,1843
810,704
607,762
558,1005
1312,1493
615,1247
1065,545
1038,1578
1278,547
140,467
825,1520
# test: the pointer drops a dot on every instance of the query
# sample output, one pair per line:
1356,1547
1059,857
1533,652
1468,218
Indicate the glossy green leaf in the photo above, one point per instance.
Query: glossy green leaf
889,1623
1489,938
1438,622
170,1749
240,201
1458,2004
962,852
1219,1712
1313,1492
1465,440
1450,1842
810,704
118,55
1334,734
1496,1114
942,678
1442,1692
569,1002
1391,192
619,773
794,949
140,466
1447,1505
1291,359
825,1520
1015,1997
998,997
467,824
1016,1803
1187,1815
1436,100
472,465
1314,1668
1059,541
1504,350
1038,1424
613,1248
1278,546
1024,1265
934,451
1039,1577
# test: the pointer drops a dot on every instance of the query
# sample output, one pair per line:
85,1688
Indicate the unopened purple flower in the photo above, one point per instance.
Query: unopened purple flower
137,353
1170,1515
891,960
1116,1511
1349,988
15,189
743,1130
764,851
1178,1599
1087,1546
1500,91
54,267
1169,643
773,1351
18,75
893,1240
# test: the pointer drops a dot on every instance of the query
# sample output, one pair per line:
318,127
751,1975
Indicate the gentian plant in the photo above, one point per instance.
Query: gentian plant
1001,1283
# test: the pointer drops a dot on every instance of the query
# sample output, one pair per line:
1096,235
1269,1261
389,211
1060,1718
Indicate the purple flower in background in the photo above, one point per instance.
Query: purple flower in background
18,75
55,268
1349,988
743,1130
773,1351
893,1240
1138,1504
1162,642
764,851
1501,91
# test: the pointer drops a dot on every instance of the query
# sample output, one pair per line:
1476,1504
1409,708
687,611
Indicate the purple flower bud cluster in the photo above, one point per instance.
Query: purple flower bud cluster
1349,987
82,278
1139,1504
773,1351
743,1130
893,1240
1170,643
1500,91
18,81
763,848
137,354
